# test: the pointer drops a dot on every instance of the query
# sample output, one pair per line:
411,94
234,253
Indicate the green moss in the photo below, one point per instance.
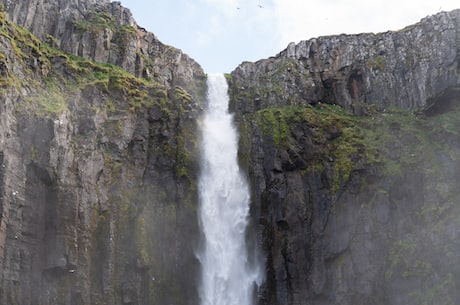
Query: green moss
55,82
86,73
79,73
400,257
127,29
446,122
34,153
141,238
160,93
51,101
390,140
181,94
27,51
338,134
95,22
121,37
276,122
228,77
438,293
376,63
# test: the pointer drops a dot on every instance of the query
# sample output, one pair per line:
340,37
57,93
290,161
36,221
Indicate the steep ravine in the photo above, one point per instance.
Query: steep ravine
351,144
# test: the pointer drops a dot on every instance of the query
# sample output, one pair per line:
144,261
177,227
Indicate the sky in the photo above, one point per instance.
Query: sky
220,34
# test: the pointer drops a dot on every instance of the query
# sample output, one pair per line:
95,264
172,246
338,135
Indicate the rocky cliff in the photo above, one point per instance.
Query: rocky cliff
407,69
104,31
98,167
353,151
351,144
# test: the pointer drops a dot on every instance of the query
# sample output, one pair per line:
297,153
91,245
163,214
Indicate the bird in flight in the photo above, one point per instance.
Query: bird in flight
259,5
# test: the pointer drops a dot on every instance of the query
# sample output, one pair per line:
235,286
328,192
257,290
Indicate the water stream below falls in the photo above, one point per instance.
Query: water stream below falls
228,277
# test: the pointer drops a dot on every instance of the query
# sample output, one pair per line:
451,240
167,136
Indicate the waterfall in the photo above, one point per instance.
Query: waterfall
227,275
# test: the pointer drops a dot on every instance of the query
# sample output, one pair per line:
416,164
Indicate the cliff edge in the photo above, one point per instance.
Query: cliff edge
105,31
408,69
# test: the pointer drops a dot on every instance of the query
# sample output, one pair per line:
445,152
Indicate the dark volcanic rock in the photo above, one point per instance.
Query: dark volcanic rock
356,201
405,69
98,171
105,31
353,201
368,217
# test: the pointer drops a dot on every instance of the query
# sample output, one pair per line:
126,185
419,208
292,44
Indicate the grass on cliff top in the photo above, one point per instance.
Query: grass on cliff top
78,73
51,76
96,21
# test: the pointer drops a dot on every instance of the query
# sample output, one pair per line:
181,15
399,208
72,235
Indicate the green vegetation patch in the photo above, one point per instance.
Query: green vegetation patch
391,140
53,77
95,22
337,134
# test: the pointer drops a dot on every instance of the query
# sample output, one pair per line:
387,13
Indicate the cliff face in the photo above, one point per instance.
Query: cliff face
105,31
98,172
352,148
351,144
355,210
405,69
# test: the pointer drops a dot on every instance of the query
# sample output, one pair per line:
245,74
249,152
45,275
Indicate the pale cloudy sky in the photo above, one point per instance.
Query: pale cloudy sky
220,34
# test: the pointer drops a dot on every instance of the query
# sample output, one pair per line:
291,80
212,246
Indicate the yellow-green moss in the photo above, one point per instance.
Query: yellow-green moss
276,122
437,294
49,97
358,140
181,94
376,63
95,22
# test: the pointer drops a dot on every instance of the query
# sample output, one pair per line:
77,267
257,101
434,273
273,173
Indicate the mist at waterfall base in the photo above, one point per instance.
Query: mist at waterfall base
229,276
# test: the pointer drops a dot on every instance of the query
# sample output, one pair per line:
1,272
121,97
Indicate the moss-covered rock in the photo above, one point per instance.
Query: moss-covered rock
355,208
99,167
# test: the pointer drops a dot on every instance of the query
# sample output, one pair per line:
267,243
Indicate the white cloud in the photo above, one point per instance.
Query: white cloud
300,20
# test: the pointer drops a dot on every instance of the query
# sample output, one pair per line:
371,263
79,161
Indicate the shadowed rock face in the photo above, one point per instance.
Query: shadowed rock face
351,144
357,203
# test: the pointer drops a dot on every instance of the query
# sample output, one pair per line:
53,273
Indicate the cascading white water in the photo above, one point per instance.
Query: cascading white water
227,277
